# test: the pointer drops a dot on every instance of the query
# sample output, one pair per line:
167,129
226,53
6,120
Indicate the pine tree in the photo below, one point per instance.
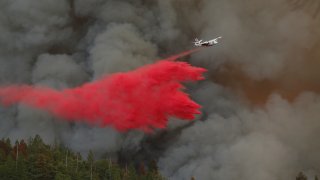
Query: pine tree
17,154
8,142
77,166
116,172
142,169
23,149
90,160
9,171
5,149
40,162
132,174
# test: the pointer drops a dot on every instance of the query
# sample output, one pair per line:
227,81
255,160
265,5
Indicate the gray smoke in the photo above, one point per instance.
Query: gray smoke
66,43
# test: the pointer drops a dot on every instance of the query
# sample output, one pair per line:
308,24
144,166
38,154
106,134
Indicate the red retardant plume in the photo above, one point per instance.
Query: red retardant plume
140,99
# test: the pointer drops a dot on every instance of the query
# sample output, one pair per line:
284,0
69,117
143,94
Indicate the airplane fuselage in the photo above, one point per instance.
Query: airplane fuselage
206,43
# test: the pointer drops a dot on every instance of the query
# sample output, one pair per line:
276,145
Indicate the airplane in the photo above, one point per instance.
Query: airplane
211,42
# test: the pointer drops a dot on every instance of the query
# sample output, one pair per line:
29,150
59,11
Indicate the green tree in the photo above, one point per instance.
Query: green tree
116,172
102,169
7,170
132,173
90,160
5,148
40,160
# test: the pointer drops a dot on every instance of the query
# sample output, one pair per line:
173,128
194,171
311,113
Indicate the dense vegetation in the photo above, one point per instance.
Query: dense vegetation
35,160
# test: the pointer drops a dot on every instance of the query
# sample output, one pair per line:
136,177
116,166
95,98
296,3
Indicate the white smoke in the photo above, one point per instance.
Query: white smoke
65,43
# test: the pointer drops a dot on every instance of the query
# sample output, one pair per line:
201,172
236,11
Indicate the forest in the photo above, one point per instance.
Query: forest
33,159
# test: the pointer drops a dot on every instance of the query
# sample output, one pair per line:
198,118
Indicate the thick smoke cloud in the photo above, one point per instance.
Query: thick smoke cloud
113,42
249,143
269,51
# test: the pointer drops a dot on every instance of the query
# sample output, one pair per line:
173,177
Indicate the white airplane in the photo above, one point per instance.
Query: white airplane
211,42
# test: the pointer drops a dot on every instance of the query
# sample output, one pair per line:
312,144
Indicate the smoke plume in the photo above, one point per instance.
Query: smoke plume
260,99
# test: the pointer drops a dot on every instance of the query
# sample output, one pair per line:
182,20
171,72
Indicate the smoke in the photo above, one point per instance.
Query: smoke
260,100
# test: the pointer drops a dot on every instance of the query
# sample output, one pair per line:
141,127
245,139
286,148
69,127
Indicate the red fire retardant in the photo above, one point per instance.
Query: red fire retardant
140,99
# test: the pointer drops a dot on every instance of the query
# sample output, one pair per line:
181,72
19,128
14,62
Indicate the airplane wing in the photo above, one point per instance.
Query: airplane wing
215,40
